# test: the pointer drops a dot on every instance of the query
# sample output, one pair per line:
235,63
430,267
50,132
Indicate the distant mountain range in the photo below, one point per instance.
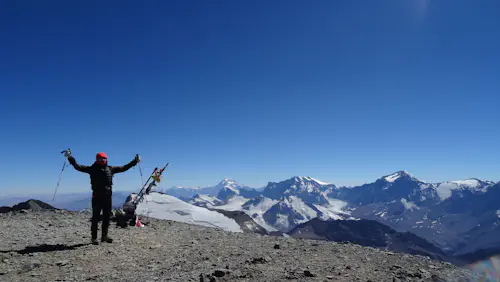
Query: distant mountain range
68,201
460,217
228,185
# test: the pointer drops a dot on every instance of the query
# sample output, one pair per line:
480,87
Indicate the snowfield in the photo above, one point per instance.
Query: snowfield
162,206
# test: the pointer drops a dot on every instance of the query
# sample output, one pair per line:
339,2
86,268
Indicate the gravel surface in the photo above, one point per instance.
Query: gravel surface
55,246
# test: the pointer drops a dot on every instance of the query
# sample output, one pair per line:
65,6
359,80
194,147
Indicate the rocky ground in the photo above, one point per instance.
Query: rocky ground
54,246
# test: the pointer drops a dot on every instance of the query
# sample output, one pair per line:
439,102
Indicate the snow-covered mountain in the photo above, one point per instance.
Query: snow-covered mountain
292,211
283,205
442,213
227,187
308,189
230,188
231,196
388,188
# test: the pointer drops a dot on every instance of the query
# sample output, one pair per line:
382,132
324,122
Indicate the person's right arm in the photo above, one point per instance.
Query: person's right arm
82,168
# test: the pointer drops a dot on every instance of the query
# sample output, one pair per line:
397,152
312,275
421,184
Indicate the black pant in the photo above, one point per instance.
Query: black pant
100,203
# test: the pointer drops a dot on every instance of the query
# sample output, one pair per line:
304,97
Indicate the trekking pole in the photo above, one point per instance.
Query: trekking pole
140,171
66,154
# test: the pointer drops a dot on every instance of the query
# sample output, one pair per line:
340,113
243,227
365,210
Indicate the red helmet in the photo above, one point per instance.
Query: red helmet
101,158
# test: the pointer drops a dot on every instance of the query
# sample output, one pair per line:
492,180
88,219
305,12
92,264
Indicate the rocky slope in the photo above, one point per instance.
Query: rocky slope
54,246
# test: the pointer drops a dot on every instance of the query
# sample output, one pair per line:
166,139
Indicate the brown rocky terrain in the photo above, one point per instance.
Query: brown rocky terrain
53,245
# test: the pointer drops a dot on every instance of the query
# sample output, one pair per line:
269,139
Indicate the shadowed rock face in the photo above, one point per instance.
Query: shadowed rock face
246,223
58,242
368,233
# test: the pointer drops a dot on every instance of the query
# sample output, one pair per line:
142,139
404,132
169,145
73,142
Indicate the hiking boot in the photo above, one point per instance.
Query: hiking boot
94,241
106,239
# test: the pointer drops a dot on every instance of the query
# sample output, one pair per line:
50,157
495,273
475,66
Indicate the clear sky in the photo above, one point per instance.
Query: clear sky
343,91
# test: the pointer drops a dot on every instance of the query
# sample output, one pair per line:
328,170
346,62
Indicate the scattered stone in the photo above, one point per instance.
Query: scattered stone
219,273
276,246
308,273
62,263
153,247
425,272
436,278
329,277
259,260
30,266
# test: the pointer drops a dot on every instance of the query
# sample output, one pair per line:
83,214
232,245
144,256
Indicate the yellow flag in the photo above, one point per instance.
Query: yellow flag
157,177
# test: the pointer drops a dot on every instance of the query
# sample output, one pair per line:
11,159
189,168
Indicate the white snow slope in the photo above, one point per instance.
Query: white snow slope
162,206
445,189
333,210
233,204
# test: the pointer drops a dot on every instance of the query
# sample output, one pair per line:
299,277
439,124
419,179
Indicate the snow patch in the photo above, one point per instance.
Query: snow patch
382,213
445,189
261,207
395,176
392,177
409,205
307,178
234,204
209,200
425,186
333,209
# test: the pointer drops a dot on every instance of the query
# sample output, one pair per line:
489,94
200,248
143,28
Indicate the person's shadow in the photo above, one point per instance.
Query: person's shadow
45,248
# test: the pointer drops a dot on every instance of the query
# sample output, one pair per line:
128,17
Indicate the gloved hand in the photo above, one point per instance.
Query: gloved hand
137,158
67,152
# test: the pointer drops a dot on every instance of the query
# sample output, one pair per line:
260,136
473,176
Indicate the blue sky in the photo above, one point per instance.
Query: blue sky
343,91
